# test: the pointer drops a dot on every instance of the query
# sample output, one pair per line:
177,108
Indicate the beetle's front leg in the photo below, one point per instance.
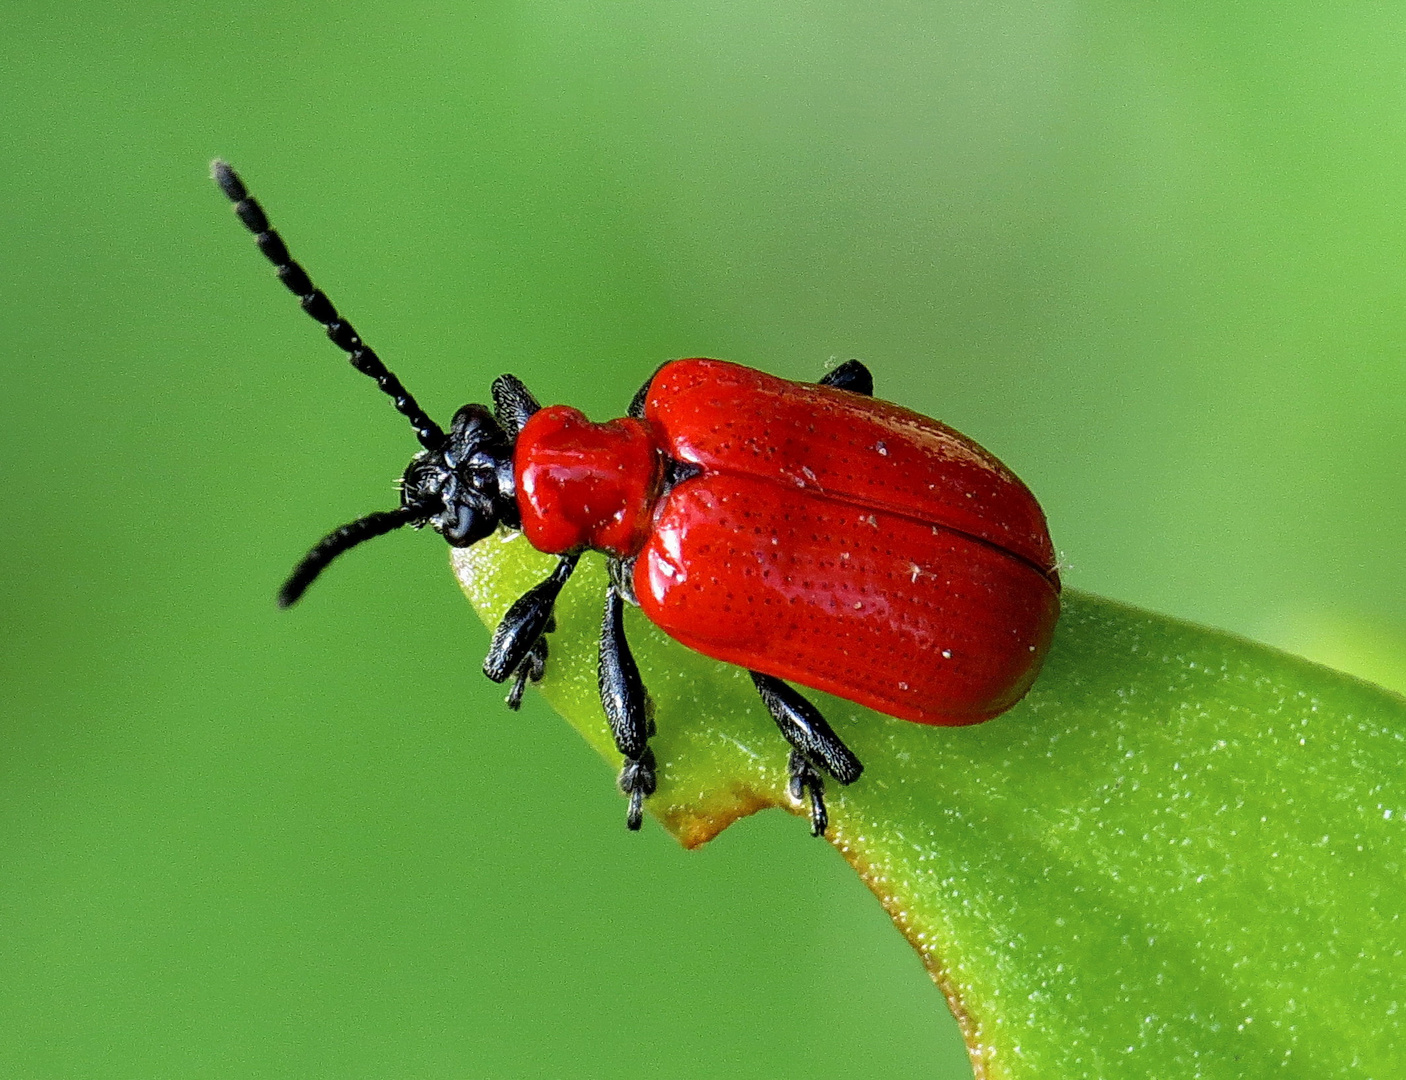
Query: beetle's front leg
530,670
814,744
625,700
518,645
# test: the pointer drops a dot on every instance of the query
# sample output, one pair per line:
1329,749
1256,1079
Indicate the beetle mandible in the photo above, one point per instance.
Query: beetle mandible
807,532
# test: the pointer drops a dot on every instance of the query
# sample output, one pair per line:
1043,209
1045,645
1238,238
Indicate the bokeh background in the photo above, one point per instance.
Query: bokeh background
1154,256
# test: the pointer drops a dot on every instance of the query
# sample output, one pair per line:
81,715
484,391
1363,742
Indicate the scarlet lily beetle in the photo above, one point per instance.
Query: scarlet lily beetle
806,532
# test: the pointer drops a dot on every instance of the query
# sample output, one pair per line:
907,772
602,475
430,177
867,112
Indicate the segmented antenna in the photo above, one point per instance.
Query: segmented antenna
314,301
338,541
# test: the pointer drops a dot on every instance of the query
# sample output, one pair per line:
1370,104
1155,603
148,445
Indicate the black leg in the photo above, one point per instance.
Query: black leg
852,376
815,745
530,670
513,404
636,408
805,779
638,780
626,703
525,623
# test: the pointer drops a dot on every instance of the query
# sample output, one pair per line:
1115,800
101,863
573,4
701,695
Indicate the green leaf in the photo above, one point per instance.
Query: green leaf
1180,856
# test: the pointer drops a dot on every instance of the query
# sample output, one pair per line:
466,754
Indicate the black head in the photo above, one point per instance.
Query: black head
463,490
468,481
460,484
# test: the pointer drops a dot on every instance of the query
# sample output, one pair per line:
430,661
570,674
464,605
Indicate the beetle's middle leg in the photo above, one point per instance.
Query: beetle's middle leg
814,744
623,696
519,646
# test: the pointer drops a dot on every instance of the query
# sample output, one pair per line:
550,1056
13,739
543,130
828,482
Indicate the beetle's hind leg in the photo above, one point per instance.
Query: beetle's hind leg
519,646
624,698
814,746
636,408
852,376
805,780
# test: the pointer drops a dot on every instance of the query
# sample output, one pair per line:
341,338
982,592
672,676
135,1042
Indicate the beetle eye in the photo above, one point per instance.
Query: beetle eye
423,482
474,433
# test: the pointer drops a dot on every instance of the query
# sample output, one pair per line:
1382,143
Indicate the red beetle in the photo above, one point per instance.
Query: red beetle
804,532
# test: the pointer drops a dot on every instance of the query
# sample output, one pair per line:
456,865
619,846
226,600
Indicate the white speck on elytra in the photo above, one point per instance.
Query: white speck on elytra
947,654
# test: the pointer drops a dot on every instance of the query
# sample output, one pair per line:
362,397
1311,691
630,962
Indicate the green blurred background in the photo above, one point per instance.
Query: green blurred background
1153,257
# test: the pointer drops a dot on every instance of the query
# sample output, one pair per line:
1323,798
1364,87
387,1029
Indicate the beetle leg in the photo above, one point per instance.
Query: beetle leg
638,781
813,740
636,408
625,700
806,729
852,376
530,670
805,779
622,576
525,623
513,404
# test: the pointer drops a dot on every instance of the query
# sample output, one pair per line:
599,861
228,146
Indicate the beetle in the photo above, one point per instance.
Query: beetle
809,533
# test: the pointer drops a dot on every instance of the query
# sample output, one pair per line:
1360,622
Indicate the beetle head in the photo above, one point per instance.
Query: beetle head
464,489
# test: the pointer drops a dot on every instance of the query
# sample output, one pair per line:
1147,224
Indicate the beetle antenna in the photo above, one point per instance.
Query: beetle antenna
316,304
340,540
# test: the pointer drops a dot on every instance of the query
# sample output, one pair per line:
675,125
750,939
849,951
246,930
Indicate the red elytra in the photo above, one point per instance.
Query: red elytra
827,538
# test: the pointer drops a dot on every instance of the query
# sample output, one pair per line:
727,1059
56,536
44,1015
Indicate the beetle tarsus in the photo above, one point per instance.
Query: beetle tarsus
525,623
806,780
852,376
530,670
638,780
